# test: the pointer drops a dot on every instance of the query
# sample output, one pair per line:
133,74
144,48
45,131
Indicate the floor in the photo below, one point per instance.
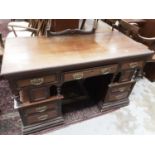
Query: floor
137,118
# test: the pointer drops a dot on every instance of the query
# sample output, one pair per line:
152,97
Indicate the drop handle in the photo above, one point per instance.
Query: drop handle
43,117
41,109
105,70
37,81
133,65
78,76
118,97
122,89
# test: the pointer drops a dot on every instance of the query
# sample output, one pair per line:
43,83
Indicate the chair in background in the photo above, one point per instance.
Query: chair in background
129,27
146,33
142,31
69,26
34,27
23,23
146,36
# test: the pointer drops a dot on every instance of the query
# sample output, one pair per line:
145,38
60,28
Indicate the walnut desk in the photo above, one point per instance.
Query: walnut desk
47,74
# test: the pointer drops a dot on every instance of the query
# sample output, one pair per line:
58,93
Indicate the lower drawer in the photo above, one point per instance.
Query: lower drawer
38,112
121,87
41,108
117,96
36,118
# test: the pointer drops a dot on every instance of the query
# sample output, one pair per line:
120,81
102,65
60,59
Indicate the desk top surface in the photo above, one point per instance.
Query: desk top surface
39,53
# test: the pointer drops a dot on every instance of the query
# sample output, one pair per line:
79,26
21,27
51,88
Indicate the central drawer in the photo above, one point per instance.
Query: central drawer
85,73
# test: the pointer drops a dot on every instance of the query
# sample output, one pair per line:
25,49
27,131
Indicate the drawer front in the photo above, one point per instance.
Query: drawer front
121,87
117,96
119,91
132,65
41,108
39,117
126,75
81,74
36,81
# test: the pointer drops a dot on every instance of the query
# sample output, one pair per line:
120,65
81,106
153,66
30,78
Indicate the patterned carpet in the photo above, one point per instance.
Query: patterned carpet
135,118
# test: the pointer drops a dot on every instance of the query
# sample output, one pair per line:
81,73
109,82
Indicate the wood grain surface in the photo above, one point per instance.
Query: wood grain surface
28,54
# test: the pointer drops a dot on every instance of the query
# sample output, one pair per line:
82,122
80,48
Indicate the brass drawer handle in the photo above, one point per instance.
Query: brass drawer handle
134,64
120,96
37,81
122,89
78,76
106,70
43,117
118,89
41,109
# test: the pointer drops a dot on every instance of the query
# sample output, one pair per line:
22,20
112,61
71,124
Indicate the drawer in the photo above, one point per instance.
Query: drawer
117,96
121,87
132,65
82,74
41,108
37,81
119,91
39,117
126,75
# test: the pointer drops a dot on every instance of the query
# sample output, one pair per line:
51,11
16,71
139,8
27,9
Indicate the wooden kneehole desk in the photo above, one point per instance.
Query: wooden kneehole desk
47,74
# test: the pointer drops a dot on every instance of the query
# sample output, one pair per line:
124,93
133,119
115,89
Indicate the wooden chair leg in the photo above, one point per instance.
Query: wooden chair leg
83,23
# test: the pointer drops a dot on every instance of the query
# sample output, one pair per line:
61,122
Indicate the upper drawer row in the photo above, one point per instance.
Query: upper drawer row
78,74
68,76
